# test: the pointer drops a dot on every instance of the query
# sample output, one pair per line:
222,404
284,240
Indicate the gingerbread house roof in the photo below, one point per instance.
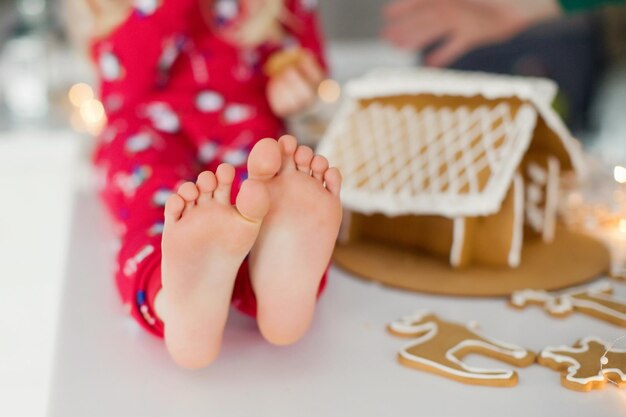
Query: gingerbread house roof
435,142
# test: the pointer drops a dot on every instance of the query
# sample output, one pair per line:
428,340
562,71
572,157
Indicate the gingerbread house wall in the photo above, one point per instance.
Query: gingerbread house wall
542,176
547,142
430,234
497,240
494,240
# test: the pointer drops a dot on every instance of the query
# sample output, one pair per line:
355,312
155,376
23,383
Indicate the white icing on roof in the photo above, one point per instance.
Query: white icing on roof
384,82
433,161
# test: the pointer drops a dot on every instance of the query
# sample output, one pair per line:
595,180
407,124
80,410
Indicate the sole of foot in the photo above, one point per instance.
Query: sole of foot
205,240
297,237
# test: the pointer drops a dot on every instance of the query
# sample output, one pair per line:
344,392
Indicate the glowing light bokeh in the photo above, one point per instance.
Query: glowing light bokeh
92,111
89,115
80,94
619,173
329,91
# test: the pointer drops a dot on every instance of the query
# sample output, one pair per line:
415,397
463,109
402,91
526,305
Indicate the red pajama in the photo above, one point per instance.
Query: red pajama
179,100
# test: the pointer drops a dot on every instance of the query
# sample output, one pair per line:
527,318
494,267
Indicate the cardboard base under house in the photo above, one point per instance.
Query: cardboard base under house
572,259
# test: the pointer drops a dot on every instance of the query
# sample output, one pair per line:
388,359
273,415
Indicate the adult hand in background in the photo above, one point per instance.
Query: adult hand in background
458,26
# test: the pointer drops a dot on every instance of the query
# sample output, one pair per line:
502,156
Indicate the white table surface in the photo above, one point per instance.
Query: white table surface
106,366
36,168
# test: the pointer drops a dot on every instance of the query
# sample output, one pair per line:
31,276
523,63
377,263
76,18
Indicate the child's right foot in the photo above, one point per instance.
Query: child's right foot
205,240
296,240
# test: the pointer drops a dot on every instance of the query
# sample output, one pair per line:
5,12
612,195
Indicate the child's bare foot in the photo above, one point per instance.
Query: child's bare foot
296,239
204,243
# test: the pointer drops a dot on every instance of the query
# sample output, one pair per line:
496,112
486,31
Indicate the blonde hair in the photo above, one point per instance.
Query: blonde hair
262,23
89,19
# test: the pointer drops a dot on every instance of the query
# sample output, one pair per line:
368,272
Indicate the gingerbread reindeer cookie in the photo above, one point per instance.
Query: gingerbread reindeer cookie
596,301
588,365
441,345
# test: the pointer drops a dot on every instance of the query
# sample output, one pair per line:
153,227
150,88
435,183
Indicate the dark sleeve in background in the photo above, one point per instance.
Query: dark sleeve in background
8,19
569,51
583,5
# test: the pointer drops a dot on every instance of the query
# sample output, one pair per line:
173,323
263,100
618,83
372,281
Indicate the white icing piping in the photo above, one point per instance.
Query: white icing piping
571,145
600,308
552,199
543,219
534,193
537,181
566,303
458,241
537,173
390,82
554,305
549,353
407,326
517,240
411,325
470,372
380,194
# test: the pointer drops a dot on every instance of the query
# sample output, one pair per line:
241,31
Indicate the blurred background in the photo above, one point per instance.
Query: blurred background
49,112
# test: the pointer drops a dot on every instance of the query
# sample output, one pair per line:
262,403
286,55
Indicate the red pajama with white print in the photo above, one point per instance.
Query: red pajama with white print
179,100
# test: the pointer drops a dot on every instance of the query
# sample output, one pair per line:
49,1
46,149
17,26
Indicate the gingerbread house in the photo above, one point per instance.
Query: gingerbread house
464,166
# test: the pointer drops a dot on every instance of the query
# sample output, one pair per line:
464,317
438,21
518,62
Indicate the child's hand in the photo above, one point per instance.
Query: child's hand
294,89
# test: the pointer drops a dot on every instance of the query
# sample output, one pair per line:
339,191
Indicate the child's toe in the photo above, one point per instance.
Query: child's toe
174,207
288,145
332,179
206,185
189,192
264,160
225,175
303,158
319,165
253,201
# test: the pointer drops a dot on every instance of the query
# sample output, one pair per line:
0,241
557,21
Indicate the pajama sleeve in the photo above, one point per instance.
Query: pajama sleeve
134,59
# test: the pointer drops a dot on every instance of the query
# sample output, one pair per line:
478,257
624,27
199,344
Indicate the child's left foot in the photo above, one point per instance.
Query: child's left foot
296,240
204,243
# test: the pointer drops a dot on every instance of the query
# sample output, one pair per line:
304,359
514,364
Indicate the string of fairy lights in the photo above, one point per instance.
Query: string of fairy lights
598,208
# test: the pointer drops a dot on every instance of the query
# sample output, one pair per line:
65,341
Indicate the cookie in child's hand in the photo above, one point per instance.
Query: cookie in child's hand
281,60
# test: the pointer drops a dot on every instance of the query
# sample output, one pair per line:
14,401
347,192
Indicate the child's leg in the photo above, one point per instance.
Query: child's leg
205,238
140,168
295,242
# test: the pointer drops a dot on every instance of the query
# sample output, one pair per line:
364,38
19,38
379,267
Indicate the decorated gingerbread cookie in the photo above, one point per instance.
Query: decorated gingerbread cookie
441,345
587,365
280,61
596,301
